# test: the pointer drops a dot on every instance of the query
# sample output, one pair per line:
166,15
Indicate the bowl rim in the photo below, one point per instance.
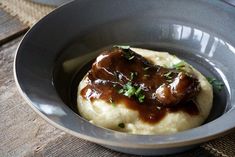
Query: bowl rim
173,142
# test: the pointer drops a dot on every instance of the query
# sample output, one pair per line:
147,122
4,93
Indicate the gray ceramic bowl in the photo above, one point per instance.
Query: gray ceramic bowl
52,2
58,50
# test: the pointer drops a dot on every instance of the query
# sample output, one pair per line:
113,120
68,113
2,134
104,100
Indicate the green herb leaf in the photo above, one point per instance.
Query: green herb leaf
129,90
133,74
168,75
128,85
121,125
138,91
146,75
126,49
130,58
179,65
111,101
165,66
141,98
116,75
218,85
170,81
122,46
146,68
139,95
128,53
121,91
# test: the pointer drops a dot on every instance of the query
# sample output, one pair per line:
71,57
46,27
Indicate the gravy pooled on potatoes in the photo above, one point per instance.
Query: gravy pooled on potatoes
121,75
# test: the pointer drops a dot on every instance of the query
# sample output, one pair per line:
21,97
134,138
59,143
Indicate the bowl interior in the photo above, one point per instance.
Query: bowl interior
204,50
57,52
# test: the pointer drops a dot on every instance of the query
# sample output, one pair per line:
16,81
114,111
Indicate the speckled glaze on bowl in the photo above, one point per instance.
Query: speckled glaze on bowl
58,50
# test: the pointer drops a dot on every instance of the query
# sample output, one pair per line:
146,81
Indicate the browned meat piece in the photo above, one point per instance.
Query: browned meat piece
114,67
121,75
181,90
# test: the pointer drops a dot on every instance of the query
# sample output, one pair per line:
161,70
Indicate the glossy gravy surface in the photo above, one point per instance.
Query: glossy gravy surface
161,89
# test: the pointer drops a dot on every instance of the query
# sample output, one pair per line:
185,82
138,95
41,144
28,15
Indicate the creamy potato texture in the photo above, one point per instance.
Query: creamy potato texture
119,117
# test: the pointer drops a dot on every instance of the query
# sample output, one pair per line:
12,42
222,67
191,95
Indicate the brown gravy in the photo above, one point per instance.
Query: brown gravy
162,90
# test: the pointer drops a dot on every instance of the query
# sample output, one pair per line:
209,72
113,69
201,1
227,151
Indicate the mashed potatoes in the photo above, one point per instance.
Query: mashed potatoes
123,119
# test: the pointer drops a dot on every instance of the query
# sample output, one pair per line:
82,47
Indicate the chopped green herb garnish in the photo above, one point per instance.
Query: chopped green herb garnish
218,85
130,58
114,85
146,75
139,95
164,65
141,98
128,53
146,68
137,92
129,90
133,74
111,101
121,91
170,81
179,65
168,75
121,125
159,108
122,46
116,75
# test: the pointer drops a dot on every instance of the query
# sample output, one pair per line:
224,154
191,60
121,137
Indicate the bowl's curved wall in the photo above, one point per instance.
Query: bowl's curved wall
200,31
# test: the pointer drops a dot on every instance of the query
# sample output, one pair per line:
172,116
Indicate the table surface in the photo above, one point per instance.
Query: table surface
22,131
